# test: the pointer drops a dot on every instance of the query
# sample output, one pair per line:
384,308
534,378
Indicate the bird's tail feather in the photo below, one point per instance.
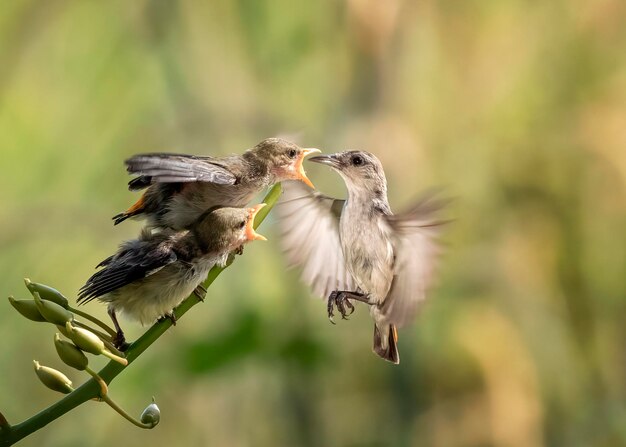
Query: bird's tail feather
390,353
137,208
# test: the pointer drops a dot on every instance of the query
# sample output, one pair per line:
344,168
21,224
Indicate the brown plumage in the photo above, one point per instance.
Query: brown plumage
151,275
181,187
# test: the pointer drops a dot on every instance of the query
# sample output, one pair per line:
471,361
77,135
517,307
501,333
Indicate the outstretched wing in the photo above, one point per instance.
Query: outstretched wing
136,260
309,224
417,252
176,168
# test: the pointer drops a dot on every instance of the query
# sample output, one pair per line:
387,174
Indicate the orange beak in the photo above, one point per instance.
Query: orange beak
301,175
252,235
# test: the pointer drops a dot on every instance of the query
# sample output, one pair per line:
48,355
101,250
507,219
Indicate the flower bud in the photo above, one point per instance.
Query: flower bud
28,309
63,330
47,293
53,379
89,342
84,339
151,415
70,354
51,311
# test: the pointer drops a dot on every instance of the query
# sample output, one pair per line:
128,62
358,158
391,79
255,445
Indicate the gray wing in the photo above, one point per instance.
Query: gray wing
176,168
309,223
135,260
417,253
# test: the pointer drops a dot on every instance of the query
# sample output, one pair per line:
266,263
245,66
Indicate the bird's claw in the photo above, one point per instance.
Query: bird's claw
341,301
200,292
119,341
239,250
169,316
329,308
350,306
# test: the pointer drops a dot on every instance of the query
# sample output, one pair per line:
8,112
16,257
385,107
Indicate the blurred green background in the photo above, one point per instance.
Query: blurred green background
517,108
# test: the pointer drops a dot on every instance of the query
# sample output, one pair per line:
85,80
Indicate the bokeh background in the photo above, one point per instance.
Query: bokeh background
516,108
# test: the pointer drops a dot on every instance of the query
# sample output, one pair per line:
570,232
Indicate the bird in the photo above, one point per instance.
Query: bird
357,249
180,187
149,276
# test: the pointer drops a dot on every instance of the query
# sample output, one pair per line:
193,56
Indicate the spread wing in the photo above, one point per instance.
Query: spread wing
309,223
176,168
136,260
417,253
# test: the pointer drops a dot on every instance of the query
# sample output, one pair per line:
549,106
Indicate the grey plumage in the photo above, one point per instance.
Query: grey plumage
179,188
151,275
359,245
173,168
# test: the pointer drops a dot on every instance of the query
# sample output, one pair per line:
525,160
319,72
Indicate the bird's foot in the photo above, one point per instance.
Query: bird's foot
169,316
200,292
341,300
239,250
119,341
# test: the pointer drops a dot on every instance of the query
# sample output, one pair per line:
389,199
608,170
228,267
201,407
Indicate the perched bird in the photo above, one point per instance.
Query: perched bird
181,187
357,249
151,275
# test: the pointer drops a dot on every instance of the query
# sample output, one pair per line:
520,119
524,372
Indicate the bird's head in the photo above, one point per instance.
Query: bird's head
360,170
284,159
225,229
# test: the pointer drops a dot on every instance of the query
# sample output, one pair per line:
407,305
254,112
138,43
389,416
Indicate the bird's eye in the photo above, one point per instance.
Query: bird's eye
242,224
357,160
292,153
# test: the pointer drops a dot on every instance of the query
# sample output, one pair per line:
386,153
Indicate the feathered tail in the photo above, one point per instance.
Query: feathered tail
387,346
134,210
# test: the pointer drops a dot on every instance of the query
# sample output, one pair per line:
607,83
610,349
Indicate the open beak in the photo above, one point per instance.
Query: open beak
330,160
301,175
252,235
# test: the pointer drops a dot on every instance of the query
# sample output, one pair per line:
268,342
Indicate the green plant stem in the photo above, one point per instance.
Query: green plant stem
104,389
4,424
91,388
117,358
124,414
94,320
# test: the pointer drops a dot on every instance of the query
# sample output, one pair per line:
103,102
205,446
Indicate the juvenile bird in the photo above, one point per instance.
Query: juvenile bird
151,275
181,187
357,249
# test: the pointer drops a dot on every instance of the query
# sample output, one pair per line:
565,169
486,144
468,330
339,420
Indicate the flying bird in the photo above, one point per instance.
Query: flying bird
179,188
151,275
357,249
